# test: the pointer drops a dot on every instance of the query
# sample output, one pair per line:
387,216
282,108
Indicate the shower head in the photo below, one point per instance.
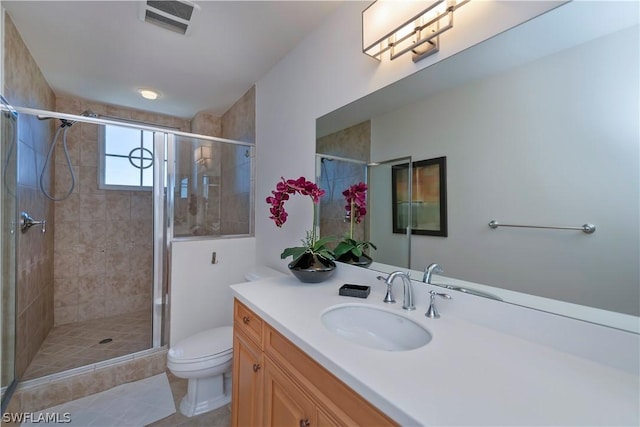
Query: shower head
85,113
69,123
89,113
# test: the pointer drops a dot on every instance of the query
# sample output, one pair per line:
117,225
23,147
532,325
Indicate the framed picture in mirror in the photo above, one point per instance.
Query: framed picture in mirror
429,202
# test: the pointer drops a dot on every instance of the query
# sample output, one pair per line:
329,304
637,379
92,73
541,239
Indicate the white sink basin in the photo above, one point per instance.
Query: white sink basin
375,328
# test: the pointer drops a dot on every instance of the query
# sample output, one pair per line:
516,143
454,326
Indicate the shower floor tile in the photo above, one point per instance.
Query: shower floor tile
77,344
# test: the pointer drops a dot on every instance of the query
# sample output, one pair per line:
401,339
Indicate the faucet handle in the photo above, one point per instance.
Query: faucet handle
432,312
388,298
26,222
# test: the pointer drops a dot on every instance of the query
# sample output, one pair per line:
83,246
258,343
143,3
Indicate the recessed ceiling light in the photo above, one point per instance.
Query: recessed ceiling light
148,93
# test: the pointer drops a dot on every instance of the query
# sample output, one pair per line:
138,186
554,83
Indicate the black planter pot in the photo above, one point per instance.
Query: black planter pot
363,260
312,268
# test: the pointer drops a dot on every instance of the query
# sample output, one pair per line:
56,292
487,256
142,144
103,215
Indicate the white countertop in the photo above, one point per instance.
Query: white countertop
468,374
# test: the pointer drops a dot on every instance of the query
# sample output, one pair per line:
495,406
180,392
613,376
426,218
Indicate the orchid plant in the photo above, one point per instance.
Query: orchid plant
356,197
311,243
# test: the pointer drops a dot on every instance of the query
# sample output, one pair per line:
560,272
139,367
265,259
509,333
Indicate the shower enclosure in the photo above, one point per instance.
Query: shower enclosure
88,281
335,174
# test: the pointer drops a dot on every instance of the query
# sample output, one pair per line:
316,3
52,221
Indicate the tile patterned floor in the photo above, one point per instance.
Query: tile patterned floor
134,404
77,344
221,417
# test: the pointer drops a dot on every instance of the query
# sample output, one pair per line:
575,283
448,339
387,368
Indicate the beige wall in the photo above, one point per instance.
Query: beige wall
206,123
25,86
104,238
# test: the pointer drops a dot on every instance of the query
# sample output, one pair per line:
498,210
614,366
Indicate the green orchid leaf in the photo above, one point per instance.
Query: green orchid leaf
349,241
357,251
365,245
342,248
323,241
326,253
295,252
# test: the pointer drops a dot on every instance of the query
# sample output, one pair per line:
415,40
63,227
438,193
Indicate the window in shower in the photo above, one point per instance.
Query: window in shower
126,158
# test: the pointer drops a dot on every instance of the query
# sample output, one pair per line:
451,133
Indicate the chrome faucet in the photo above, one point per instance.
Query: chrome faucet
408,289
430,270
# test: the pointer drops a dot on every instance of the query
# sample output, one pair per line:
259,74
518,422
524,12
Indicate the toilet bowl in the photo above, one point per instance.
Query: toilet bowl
204,359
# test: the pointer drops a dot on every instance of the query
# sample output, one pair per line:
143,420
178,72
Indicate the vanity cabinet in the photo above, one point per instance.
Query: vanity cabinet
276,383
247,374
284,402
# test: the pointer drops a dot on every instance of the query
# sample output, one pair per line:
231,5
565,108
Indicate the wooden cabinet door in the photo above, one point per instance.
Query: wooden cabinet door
285,405
248,374
324,419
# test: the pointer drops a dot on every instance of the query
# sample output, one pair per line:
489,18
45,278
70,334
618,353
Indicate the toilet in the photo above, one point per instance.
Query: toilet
204,359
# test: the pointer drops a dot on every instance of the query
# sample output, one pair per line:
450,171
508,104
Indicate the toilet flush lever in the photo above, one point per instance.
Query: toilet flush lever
26,222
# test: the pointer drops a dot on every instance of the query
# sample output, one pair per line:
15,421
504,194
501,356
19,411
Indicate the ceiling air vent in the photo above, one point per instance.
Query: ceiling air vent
169,14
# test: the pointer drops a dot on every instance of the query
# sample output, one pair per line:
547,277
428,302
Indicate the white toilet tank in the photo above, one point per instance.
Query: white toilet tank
260,272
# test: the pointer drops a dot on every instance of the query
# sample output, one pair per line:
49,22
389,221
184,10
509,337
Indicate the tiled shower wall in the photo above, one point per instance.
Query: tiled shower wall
25,86
103,262
336,176
194,213
226,209
238,123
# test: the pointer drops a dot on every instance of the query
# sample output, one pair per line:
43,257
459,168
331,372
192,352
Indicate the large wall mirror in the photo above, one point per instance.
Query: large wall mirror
539,126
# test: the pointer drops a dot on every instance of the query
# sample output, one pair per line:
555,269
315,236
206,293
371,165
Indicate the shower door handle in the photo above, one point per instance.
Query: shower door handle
26,222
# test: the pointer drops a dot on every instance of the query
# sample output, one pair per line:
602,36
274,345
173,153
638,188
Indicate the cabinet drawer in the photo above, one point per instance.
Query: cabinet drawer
248,322
332,395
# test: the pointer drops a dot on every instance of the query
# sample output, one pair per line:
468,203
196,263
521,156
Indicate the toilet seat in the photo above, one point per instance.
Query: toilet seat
207,345
215,359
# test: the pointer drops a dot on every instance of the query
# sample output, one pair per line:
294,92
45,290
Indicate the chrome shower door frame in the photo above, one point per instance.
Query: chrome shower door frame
8,240
163,148
164,142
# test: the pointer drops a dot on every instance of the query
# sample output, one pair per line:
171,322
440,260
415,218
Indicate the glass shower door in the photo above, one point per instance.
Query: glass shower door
391,212
163,154
8,218
335,175
212,195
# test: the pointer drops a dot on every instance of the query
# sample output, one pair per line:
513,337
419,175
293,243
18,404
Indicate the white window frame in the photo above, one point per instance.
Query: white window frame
102,161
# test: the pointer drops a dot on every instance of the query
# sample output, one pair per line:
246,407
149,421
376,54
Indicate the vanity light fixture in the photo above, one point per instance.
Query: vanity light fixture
148,94
399,27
